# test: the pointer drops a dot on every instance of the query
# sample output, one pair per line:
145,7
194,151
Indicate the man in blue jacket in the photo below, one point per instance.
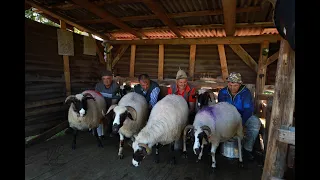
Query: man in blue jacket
240,96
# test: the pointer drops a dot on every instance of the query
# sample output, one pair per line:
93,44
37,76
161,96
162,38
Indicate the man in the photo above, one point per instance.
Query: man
240,96
182,88
109,90
149,89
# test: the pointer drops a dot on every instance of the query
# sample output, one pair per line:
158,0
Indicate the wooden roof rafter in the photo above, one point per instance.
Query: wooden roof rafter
229,16
107,16
159,11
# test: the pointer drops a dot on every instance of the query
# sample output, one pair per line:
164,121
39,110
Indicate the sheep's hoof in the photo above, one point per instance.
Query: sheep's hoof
156,159
120,156
240,164
185,155
173,161
198,160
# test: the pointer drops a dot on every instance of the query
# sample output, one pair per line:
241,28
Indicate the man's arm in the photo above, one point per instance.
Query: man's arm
247,106
154,96
192,100
220,99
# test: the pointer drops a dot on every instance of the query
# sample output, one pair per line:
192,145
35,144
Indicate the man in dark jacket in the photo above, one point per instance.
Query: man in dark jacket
149,89
240,96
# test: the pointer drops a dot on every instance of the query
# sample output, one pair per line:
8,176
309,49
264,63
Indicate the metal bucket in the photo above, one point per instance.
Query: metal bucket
229,148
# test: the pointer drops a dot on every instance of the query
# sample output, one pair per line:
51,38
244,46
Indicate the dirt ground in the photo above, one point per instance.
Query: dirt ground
55,159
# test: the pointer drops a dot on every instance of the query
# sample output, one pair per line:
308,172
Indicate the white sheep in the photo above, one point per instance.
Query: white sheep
214,124
129,117
165,125
85,113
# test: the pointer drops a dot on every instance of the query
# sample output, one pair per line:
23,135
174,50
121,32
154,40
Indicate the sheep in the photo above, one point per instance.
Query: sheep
164,126
205,97
129,117
214,124
85,113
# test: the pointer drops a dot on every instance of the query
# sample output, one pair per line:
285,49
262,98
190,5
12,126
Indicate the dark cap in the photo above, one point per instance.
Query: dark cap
106,73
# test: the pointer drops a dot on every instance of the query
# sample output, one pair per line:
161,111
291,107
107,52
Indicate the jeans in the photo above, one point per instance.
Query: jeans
252,127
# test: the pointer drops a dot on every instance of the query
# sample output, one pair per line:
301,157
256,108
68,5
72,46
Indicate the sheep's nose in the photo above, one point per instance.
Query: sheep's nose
197,151
115,128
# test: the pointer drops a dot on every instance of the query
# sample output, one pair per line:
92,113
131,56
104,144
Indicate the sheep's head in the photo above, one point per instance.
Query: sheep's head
119,115
140,151
79,102
203,99
200,135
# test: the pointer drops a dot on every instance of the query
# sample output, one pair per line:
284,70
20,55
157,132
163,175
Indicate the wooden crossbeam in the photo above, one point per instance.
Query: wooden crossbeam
106,15
229,16
174,15
286,136
159,11
119,54
244,56
66,20
272,58
214,40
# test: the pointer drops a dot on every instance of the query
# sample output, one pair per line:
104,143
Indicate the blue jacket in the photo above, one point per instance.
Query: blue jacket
242,101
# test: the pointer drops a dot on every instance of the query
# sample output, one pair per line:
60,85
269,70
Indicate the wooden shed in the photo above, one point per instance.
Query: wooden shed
206,38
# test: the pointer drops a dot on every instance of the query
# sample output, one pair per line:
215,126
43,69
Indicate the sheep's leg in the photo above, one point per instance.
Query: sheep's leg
120,153
185,155
214,147
75,132
173,157
240,152
202,146
156,157
97,137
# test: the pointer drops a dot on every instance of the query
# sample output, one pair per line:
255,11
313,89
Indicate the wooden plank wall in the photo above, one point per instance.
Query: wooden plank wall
84,69
45,89
207,61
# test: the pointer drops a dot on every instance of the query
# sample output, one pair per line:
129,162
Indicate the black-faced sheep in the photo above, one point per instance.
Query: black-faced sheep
129,117
165,125
214,124
85,113
205,97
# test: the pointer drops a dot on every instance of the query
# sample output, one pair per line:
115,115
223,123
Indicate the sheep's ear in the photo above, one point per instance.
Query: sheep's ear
111,108
69,99
130,116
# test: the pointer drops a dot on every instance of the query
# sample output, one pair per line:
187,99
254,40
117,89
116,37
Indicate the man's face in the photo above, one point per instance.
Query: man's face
107,80
182,83
145,84
233,87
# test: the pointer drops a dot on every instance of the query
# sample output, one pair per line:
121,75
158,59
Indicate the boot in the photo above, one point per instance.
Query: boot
247,154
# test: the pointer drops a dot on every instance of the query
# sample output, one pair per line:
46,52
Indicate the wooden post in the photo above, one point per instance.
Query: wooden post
262,72
192,60
223,62
109,57
282,112
132,60
66,64
160,62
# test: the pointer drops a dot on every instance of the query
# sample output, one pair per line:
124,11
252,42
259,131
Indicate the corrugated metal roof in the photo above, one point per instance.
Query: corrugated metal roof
197,33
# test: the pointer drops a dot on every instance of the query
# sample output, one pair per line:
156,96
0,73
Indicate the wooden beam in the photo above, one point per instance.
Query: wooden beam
272,58
109,57
214,40
48,134
159,11
66,20
262,71
229,16
106,15
160,62
209,26
223,62
286,136
70,6
132,60
244,56
192,60
174,15
100,54
66,65
119,54
265,96
282,112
